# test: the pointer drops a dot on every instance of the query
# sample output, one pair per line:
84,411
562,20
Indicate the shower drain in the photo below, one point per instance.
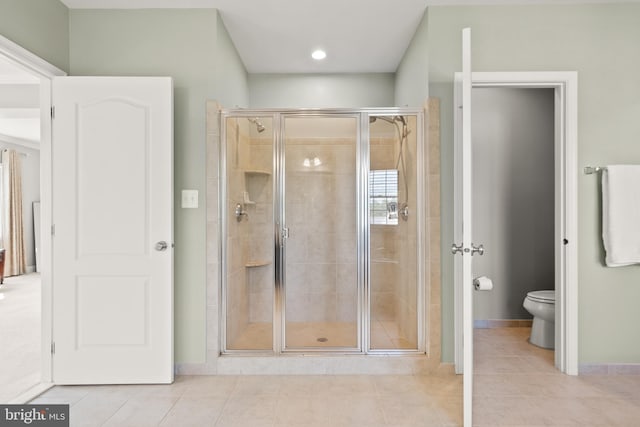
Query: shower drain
322,339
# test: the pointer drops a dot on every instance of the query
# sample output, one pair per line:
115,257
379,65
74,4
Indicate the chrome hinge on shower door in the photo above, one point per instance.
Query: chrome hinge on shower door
285,233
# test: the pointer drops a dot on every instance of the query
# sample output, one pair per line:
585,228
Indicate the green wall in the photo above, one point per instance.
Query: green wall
183,44
412,75
40,26
600,42
232,85
357,90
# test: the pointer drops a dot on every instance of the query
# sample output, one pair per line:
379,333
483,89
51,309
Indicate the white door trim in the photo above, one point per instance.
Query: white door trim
40,68
565,85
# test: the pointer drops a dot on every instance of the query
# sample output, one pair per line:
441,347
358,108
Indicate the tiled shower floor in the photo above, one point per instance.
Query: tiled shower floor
258,336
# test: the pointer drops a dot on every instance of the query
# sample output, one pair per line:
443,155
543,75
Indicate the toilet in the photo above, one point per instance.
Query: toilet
542,305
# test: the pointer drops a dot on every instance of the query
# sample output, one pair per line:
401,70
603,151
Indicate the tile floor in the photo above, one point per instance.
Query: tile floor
516,384
19,335
273,401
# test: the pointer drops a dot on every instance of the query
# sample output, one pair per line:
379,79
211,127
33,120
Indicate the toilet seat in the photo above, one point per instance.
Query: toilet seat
547,297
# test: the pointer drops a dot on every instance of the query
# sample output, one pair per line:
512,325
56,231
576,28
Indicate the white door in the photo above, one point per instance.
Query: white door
113,230
463,249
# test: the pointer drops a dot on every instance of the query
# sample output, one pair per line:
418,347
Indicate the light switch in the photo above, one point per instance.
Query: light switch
189,199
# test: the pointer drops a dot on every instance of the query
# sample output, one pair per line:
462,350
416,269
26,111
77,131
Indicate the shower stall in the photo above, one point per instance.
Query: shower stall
322,231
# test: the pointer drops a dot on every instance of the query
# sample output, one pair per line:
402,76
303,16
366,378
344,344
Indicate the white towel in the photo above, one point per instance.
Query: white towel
621,214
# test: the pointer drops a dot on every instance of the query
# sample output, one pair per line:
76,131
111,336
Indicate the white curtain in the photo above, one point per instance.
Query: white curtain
12,226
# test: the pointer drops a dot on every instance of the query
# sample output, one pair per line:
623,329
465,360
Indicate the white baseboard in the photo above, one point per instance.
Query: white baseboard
31,394
31,269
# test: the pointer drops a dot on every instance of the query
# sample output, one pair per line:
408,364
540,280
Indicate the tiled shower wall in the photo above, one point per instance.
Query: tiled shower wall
320,207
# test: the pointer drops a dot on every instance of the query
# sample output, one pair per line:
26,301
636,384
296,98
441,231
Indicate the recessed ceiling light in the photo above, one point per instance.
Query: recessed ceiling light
319,54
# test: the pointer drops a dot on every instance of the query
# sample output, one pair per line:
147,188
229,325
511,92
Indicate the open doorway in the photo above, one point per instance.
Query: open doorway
564,86
513,198
20,292
21,59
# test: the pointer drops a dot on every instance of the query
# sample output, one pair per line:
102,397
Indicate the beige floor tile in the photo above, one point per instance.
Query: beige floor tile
95,409
210,386
450,409
355,411
226,421
63,395
194,411
142,412
305,385
612,411
442,385
400,412
348,386
302,411
398,384
615,386
269,385
503,411
516,384
504,365
249,410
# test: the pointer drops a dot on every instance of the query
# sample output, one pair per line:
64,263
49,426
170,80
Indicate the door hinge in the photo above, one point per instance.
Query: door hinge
53,230
53,112
53,347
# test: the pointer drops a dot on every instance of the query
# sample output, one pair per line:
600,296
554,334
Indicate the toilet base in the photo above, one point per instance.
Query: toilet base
543,333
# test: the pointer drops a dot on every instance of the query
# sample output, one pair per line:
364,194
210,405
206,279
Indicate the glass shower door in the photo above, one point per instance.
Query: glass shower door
319,217
249,237
394,210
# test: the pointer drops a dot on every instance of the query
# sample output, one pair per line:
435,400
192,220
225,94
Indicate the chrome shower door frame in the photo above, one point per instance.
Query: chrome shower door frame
362,229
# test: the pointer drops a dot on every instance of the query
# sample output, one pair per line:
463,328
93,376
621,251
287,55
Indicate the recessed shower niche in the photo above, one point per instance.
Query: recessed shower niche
322,228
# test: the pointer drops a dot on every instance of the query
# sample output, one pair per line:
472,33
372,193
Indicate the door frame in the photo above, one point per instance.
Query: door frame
565,85
46,72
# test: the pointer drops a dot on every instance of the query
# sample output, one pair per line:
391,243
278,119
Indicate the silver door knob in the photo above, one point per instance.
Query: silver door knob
477,249
161,246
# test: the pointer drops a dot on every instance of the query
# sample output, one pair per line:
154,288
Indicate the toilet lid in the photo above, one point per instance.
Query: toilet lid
542,296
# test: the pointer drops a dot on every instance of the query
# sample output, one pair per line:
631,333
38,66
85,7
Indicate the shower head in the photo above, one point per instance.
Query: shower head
259,126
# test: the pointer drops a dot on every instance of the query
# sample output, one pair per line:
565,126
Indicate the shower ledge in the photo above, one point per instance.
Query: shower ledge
257,263
384,260
257,172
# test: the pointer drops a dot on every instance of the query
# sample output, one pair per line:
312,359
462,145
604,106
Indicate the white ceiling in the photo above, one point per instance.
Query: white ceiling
278,36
